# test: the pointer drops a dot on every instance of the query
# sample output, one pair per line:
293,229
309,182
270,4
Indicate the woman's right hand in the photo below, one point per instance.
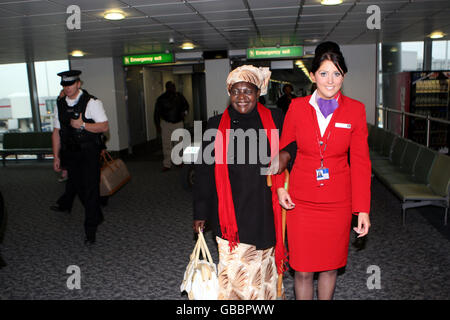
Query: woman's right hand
285,199
56,164
198,224
279,163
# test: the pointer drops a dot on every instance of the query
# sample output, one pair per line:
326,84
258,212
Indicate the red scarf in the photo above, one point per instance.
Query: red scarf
227,216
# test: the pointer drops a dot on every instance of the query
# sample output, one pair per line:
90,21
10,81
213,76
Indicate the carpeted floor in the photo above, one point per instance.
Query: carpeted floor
144,244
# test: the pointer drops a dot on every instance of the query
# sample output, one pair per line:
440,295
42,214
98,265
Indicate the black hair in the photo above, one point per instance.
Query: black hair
329,51
170,85
288,85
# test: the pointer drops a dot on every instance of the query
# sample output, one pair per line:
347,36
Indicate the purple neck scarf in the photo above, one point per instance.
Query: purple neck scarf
327,107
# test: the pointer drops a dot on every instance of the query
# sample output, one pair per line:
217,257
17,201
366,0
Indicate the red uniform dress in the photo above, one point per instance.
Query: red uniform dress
318,228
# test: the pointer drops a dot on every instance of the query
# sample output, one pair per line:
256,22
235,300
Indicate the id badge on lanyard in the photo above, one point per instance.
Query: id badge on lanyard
322,173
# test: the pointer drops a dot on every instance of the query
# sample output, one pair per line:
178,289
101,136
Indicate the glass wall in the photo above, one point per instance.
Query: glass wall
15,105
440,56
48,89
411,56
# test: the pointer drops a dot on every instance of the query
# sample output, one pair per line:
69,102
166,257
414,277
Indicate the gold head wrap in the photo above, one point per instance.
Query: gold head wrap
248,73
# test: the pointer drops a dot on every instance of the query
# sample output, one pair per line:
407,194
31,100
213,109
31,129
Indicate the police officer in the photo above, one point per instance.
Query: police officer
80,120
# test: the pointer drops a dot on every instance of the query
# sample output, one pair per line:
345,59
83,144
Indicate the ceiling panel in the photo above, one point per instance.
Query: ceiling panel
279,12
258,4
281,21
164,9
86,5
229,24
226,15
320,10
180,18
215,6
31,8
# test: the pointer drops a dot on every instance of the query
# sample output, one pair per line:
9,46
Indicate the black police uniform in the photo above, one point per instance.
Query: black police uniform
80,151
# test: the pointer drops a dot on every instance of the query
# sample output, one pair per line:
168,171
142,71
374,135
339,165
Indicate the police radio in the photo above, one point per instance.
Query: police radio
76,113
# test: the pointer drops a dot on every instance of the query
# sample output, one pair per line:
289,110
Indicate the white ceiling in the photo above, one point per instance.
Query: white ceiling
37,28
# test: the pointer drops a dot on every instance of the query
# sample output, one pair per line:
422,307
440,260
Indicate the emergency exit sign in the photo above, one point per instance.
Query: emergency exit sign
274,52
148,59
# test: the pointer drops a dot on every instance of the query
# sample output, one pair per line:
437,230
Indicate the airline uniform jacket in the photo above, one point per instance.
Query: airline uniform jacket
344,149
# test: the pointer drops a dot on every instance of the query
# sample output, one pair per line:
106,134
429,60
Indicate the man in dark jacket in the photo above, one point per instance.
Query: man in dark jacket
285,100
170,109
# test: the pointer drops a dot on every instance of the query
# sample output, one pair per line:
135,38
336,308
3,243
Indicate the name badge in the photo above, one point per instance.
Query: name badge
322,174
343,125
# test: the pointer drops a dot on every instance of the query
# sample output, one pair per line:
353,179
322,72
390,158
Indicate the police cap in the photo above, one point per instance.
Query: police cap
68,78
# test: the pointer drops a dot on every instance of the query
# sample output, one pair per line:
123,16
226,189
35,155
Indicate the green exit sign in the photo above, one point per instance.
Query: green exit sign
274,52
148,59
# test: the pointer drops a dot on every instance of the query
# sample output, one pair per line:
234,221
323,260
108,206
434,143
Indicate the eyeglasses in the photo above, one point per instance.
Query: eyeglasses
247,92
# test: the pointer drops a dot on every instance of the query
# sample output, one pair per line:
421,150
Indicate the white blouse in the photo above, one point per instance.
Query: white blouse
94,110
322,121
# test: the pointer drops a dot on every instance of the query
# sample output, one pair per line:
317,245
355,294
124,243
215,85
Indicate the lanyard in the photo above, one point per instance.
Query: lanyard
319,144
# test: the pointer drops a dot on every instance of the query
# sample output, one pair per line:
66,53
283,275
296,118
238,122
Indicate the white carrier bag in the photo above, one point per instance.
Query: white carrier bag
200,278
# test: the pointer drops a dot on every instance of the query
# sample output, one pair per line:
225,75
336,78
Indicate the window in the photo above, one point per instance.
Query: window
15,105
440,55
48,89
412,56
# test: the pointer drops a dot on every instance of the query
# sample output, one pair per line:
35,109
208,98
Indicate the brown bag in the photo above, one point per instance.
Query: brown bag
114,174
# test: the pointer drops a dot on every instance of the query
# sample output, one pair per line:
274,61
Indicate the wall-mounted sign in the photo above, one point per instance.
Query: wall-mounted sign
269,53
148,59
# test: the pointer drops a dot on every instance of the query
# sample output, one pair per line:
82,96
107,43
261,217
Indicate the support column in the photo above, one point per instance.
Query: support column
427,48
34,99
216,73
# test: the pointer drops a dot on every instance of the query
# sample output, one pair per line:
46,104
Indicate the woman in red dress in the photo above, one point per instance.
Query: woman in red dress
330,179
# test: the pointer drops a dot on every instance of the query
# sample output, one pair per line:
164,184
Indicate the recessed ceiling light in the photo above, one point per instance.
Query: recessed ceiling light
114,15
394,49
187,46
330,2
77,53
436,35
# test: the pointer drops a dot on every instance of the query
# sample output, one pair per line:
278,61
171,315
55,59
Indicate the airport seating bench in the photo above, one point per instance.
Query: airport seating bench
26,143
417,175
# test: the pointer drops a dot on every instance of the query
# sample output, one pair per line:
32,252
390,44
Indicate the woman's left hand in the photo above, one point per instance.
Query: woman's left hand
363,224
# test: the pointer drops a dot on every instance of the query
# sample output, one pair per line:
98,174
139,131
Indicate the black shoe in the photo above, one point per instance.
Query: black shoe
89,242
57,208
2,262
89,239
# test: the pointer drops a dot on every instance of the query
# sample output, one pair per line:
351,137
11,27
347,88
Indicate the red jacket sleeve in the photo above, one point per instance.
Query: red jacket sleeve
287,136
360,165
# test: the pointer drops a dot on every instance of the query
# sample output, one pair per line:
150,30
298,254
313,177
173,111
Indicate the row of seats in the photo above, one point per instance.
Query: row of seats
19,143
416,174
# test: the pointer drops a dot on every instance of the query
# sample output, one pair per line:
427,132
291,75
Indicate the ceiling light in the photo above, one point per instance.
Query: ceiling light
187,46
394,49
114,15
330,2
436,35
77,53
